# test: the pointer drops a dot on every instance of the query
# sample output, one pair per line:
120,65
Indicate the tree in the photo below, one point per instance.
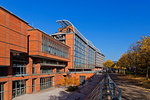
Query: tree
108,64
138,56
72,81
116,67
123,62
134,54
145,52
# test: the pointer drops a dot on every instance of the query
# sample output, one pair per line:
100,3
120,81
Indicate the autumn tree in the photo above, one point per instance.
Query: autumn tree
122,61
137,57
145,52
108,64
69,81
116,67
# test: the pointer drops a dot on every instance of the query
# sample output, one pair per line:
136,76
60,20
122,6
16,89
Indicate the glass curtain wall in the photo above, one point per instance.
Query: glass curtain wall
1,91
45,82
51,47
91,57
79,53
99,59
18,88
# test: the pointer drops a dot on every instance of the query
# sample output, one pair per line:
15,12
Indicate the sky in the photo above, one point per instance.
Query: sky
111,25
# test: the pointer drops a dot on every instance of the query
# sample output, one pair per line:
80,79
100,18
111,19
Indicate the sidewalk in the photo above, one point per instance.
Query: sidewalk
61,94
47,94
131,90
86,88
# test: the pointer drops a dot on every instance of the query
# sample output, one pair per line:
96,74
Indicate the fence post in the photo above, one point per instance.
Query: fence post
114,91
120,95
101,90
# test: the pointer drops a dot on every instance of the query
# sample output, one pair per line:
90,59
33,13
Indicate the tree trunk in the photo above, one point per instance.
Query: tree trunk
147,73
147,69
135,71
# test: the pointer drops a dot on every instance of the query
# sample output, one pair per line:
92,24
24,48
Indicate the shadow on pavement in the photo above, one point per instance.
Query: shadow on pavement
62,96
131,90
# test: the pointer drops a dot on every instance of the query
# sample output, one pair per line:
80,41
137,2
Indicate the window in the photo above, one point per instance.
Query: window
19,63
33,85
45,82
19,69
46,70
91,57
79,53
50,47
1,91
57,70
18,88
33,67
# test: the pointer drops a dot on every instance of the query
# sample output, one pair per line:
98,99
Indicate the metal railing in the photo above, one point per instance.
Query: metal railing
114,90
106,89
86,72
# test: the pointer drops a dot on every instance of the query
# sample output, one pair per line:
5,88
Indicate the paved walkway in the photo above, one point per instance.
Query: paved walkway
47,94
61,94
86,89
131,90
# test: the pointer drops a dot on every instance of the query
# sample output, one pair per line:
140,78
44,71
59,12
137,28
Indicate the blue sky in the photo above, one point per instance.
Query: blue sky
111,25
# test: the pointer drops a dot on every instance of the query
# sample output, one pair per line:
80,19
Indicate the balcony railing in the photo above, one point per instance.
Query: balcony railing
86,72
55,65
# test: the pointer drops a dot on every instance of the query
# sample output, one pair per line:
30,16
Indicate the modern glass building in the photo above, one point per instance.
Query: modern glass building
84,55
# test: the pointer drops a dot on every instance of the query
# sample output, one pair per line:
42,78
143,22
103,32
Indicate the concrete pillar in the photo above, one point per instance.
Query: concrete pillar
37,84
8,90
29,66
54,70
6,93
37,66
53,80
62,70
29,86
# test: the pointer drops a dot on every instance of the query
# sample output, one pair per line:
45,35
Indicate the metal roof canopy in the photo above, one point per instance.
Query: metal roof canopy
65,23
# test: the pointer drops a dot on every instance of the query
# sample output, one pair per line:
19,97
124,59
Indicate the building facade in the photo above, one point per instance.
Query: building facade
31,60
84,55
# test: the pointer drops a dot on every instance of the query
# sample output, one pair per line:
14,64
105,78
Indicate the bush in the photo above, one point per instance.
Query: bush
130,72
72,88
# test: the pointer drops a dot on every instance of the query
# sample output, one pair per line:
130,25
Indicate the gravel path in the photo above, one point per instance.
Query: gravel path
47,94
131,90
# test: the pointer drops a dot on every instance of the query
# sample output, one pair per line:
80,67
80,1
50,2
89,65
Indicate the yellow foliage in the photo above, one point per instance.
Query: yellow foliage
108,63
137,57
72,81
116,67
